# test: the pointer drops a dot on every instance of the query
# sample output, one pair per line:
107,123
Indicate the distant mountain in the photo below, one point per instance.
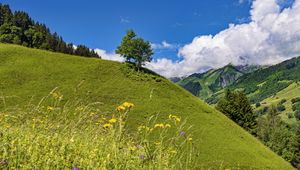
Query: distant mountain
175,79
264,85
276,85
249,68
266,82
204,85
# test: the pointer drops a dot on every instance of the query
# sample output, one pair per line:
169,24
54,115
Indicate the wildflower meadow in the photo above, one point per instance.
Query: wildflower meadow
70,135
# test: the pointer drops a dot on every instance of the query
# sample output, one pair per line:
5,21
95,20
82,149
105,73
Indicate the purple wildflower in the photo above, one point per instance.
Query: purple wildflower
182,133
75,168
3,162
142,157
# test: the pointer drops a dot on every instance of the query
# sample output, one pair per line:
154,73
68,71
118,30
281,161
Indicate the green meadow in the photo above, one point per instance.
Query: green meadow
87,85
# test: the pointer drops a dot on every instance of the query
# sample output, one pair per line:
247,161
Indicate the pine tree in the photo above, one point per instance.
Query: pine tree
19,28
6,15
237,107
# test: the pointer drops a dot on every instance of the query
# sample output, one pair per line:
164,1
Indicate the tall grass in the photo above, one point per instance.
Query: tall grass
70,135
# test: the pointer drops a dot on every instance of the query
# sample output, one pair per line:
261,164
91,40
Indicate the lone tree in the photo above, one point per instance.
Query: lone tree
134,49
237,107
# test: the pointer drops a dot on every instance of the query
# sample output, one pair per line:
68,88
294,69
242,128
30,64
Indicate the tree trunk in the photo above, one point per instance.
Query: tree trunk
138,65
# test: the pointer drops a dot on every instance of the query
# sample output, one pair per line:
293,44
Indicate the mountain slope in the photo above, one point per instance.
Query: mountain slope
264,83
30,74
287,95
205,84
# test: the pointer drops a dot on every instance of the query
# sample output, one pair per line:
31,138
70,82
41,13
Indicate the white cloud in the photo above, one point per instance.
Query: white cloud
244,1
124,20
271,36
164,45
74,47
109,56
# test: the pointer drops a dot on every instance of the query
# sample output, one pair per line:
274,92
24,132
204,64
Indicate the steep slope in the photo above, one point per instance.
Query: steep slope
264,83
30,74
269,86
285,98
205,84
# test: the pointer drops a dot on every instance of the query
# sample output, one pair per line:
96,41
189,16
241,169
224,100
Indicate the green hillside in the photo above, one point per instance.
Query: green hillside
204,85
270,86
27,75
287,94
264,83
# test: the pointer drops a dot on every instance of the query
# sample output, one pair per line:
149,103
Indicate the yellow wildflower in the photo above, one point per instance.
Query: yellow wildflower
157,142
57,95
72,140
132,148
128,105
49,108
167,126
176,118
92,113
54,95
107,125
112,120
120,108
140,128
190,139
173,151
101,120
159,125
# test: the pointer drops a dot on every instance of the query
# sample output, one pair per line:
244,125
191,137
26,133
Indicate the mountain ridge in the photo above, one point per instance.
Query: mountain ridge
204,85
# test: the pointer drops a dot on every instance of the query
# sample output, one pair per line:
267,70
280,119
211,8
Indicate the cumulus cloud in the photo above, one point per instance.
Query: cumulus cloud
109,56
272,35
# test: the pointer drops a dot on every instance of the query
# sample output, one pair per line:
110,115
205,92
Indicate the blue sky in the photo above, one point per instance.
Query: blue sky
101,24
188,36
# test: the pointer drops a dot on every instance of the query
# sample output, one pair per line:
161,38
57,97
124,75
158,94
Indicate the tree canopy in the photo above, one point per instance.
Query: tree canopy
279,137
135,49
237,107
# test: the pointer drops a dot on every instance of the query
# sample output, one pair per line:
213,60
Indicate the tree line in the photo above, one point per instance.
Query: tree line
18,28
280,137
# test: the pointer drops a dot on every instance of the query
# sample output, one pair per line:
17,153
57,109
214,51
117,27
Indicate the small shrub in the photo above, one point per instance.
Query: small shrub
295,100
296,106
282,101
297,115
280,108
259,112
257,105
265,109
290,115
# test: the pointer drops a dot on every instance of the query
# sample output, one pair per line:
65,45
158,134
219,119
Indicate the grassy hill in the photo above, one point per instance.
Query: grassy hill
27,75
289,93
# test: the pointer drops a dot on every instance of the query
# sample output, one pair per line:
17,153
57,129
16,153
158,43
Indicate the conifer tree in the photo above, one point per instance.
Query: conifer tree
237,107
19,28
